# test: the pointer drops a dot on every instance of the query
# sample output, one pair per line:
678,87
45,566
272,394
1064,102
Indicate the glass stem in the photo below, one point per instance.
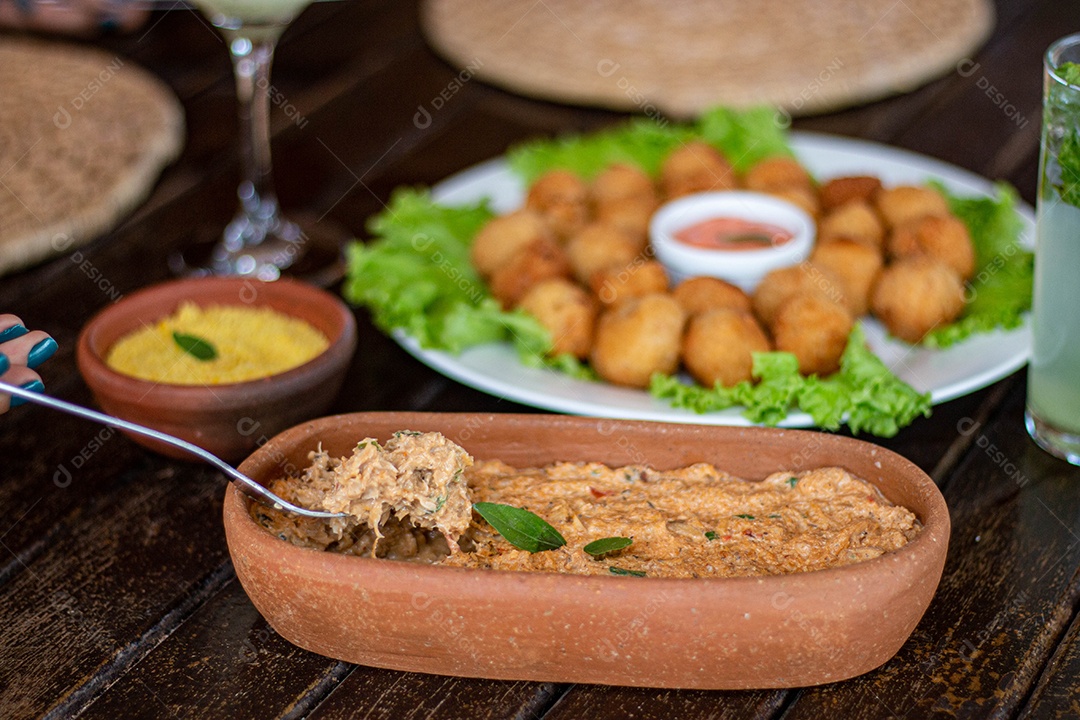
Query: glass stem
251,58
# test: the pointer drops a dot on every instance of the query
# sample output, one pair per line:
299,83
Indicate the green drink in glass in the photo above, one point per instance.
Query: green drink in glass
1053,400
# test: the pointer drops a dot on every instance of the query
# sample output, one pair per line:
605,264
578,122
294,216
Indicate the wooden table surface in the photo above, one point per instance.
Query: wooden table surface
117,596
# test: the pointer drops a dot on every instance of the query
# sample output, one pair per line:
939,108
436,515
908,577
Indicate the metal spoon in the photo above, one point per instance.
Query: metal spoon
246,484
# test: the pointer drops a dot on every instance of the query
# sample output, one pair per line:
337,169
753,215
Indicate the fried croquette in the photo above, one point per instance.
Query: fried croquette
905,203
567,311
695,167
504,235
943,237
779,286
842,190
856,221
631,215
701,294
541,259
804,198
777,173
855,265
637,338
598,246
815,330
614,284
916,294
719,344
563,198
622,182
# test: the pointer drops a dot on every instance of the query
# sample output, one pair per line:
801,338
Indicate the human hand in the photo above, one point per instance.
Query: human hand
21,351
73,17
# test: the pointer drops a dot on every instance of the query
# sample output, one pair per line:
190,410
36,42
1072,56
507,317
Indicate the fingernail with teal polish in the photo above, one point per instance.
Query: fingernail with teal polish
15,331
33,386
5,364
40,353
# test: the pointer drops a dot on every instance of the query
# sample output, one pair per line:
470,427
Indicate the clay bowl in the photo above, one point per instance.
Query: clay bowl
758,632
229,420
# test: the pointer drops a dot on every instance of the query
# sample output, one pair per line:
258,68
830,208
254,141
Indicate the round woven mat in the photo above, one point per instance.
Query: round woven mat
83,136
683,56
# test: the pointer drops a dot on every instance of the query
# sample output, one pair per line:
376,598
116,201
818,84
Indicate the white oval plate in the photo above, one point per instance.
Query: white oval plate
946,374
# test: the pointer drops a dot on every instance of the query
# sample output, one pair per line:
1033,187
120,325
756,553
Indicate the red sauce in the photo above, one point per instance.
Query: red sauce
729,233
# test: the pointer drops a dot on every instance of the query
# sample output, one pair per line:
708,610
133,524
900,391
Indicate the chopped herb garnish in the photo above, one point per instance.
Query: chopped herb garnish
439,502
363,444
792,481
774,516
195,346
750,238
1070,72
623,571
410,433
521,528
746,517
603,546
711,535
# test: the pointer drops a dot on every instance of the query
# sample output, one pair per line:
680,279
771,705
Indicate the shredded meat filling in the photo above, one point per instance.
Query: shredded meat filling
412,500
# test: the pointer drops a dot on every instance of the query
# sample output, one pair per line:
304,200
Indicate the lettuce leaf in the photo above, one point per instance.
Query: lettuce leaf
744,137
1000,293
416,276
864,392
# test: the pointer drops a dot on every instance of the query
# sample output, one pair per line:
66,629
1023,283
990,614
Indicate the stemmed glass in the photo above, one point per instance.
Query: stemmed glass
259,241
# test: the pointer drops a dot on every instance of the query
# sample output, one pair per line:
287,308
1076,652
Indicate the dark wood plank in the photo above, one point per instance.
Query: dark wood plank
1056,697
112,582
224,662
373,693
644,703
1006,596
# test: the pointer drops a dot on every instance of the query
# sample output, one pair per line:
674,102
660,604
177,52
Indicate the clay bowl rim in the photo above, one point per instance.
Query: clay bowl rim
156,301
936,523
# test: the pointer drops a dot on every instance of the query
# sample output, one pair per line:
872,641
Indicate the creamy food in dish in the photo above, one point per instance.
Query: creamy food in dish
416,481
696,521
233,343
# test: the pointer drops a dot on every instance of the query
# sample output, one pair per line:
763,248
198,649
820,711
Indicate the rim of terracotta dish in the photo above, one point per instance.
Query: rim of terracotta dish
936,523
92,346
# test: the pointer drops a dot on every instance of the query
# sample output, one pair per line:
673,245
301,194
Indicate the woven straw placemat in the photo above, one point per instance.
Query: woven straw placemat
679,57
83,137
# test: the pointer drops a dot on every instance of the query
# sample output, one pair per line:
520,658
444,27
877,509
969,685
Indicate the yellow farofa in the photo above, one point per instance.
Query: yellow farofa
250,342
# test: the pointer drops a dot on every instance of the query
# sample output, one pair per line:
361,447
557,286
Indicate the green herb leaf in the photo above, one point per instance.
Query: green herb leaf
750,238
522,529
416,276
603,546
623,571
1070,73
792,481
711,535
746,517
195,346
745,137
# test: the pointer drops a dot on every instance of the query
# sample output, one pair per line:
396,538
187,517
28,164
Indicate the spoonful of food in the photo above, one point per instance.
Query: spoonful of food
246,484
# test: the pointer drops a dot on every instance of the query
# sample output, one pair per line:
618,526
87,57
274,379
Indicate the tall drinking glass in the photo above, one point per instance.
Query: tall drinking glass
259,241
1053,400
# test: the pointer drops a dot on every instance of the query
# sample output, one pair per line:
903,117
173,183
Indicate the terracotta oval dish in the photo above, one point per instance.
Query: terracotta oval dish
229,420
753,632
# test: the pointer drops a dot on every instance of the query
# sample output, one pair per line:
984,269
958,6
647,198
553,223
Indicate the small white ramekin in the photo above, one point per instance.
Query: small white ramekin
744,268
